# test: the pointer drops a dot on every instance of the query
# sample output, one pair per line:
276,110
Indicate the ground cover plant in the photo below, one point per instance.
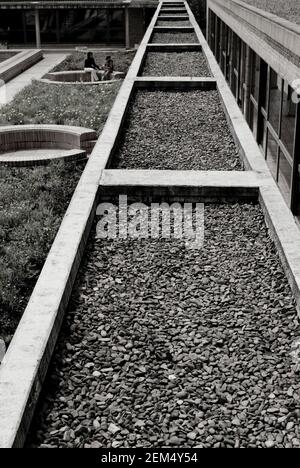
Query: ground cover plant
75,61
33,201
288,9
32,204
41,103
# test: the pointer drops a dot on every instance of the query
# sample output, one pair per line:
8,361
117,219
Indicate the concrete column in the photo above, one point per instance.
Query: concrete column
127,28
248,73
37,29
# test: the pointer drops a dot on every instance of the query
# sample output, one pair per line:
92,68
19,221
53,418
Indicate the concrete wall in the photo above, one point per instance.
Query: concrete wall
258,31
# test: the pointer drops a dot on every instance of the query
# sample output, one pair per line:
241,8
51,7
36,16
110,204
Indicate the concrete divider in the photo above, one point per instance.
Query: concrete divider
24,367
25,364
180,186
169,82
174,48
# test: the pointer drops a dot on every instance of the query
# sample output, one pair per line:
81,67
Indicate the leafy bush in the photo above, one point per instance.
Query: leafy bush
41,103
32,204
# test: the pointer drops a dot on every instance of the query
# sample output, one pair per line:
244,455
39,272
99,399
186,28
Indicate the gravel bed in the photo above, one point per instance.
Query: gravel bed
173,130
174,38
288,9
164,346
176,64
174,23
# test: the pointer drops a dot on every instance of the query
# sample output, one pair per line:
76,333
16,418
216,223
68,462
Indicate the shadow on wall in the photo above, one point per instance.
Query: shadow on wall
198,7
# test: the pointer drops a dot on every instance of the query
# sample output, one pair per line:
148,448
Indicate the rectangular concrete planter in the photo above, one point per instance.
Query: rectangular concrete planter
23,370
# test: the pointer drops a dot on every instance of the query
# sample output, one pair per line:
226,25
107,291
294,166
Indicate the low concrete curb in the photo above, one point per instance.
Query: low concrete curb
180,186
176,82
74,142
17,64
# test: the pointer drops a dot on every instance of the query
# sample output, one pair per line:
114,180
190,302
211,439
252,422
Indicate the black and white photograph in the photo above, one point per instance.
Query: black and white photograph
149,227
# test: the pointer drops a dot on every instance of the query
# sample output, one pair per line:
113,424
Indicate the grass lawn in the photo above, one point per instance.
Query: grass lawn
288,9
32,205
33,200
41,103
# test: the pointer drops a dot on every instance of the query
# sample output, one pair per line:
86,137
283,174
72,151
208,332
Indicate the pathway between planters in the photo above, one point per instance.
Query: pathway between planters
37,71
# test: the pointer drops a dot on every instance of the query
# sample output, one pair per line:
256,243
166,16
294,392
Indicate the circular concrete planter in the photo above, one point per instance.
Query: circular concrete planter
34,145
79,77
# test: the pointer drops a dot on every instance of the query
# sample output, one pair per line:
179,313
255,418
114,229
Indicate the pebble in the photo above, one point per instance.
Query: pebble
176,64
172,130
270,444
174,38
113,428
223,382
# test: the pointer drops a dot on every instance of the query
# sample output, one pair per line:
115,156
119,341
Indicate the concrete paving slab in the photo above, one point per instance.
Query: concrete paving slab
39,156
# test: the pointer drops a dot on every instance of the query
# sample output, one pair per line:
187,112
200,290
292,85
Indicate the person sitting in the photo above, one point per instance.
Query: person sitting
108,68
91,66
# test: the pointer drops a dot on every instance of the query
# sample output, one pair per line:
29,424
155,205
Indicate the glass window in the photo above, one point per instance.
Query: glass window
272,154
12,26
242,71
264,84
275,100
49,26
284,175
253,118
218,33
29,18
213,30
288,122
228,53
255,75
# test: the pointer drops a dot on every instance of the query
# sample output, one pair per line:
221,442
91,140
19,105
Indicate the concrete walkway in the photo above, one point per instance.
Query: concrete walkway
37,71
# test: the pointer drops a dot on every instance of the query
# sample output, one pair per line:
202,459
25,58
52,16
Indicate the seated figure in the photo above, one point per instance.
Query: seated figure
91,66
108,68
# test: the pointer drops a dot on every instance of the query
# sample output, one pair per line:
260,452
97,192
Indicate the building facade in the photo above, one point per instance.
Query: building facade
259,56
74,22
